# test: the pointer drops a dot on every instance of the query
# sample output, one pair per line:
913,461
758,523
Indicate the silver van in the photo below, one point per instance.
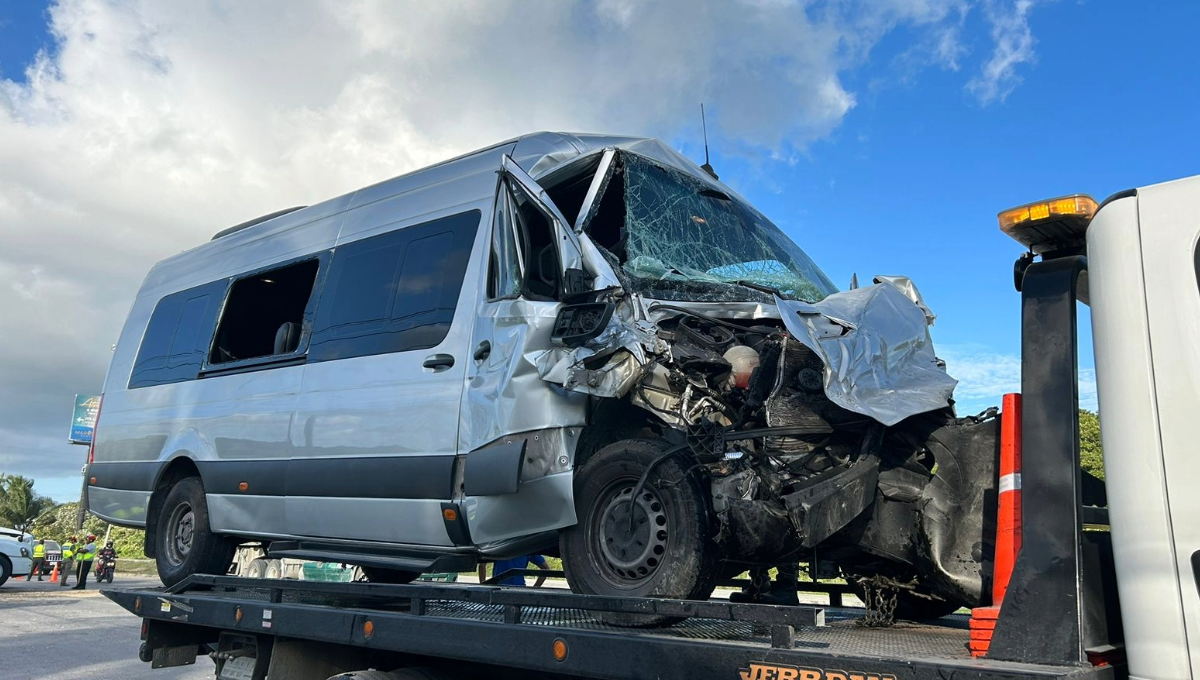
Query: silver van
578,345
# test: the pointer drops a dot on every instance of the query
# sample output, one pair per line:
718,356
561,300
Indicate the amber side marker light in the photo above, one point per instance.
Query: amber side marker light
450,514
368,629
242,486
560,649
137,605
237,615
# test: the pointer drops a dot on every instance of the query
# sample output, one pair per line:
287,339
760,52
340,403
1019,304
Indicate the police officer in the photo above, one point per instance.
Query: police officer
85,557
39,558
68,560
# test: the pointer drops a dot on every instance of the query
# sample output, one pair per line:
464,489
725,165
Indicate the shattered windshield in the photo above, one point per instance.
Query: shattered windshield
685,240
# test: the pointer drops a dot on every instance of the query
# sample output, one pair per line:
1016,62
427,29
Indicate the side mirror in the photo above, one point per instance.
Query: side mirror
578,323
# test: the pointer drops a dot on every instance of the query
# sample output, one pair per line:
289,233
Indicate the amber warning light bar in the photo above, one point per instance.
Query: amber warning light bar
1056,224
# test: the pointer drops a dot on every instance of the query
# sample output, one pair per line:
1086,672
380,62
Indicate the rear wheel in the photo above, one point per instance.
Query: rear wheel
185,544
274,569
5,569
655,544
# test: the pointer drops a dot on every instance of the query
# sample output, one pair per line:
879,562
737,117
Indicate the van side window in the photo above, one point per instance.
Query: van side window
177,335
524,236
393,292
506,265
264,313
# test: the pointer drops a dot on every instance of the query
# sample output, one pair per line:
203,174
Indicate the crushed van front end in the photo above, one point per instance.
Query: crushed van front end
820,423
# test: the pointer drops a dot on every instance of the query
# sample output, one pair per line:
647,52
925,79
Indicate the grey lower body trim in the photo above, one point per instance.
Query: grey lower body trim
539,506
245,514
385,520
119,506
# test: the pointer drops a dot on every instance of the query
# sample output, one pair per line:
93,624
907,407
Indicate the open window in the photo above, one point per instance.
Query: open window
264,314
533,253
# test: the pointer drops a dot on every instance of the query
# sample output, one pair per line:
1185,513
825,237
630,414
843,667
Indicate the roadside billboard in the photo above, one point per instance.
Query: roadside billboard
83,420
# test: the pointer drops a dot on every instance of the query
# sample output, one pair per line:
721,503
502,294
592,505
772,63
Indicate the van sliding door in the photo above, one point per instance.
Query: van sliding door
375,432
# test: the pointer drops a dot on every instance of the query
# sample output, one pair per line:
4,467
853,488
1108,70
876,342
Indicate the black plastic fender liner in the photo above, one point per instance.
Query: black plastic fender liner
958,511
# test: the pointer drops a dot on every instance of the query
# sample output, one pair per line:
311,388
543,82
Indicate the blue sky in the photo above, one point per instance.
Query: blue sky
883,137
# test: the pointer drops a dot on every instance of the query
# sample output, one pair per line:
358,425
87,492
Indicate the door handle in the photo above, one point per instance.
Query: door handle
438,362
483,351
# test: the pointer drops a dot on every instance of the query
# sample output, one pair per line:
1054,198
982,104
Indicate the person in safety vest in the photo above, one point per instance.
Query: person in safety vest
39,558
68,560
85,557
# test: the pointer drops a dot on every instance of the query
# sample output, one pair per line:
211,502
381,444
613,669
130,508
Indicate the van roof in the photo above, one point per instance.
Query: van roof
538,153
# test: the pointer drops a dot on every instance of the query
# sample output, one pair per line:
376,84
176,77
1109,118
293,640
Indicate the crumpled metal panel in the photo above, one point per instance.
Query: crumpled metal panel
506,393
607,366
906,286
878,355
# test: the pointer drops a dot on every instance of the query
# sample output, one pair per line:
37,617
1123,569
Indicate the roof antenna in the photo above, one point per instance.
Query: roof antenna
704,125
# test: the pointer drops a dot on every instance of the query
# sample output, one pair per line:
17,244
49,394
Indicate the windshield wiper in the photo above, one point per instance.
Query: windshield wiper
760,287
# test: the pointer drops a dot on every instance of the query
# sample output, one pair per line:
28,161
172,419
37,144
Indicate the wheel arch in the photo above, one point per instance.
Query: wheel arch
612,420
180,467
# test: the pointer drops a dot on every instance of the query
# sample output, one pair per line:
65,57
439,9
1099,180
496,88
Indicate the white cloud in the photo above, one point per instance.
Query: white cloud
151,125
1014,46
984,376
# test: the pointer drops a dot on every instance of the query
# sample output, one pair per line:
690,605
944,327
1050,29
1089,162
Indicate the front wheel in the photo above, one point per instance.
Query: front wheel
655,544
185,544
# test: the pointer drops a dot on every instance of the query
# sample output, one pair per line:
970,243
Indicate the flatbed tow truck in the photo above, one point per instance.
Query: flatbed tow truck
1081,600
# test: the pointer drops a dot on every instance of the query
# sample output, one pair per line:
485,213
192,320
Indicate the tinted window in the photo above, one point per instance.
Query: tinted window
177,336
393,292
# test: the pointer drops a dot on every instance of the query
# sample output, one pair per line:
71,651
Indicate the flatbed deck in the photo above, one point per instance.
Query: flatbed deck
518,628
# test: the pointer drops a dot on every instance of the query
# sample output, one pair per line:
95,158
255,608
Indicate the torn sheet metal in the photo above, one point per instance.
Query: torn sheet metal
608,365
906,286
878,355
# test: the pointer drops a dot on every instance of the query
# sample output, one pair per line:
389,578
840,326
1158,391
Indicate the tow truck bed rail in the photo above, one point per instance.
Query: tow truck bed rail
520,628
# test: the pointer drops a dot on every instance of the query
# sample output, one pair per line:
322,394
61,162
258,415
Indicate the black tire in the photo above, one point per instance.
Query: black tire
5,569
394,576
184,543
670,552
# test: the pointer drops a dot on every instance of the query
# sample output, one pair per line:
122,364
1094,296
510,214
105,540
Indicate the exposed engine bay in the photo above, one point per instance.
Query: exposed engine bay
822,421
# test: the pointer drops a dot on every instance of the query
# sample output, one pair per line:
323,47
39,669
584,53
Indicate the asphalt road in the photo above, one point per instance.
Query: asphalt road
48,631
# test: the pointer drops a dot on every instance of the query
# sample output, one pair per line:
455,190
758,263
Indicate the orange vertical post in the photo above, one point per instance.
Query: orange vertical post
1008,524
1008,521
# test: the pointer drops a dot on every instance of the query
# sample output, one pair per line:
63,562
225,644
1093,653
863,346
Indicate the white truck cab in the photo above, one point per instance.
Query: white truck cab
1145,295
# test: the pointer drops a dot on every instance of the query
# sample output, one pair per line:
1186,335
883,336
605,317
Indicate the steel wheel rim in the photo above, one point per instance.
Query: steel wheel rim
181,533
628,559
